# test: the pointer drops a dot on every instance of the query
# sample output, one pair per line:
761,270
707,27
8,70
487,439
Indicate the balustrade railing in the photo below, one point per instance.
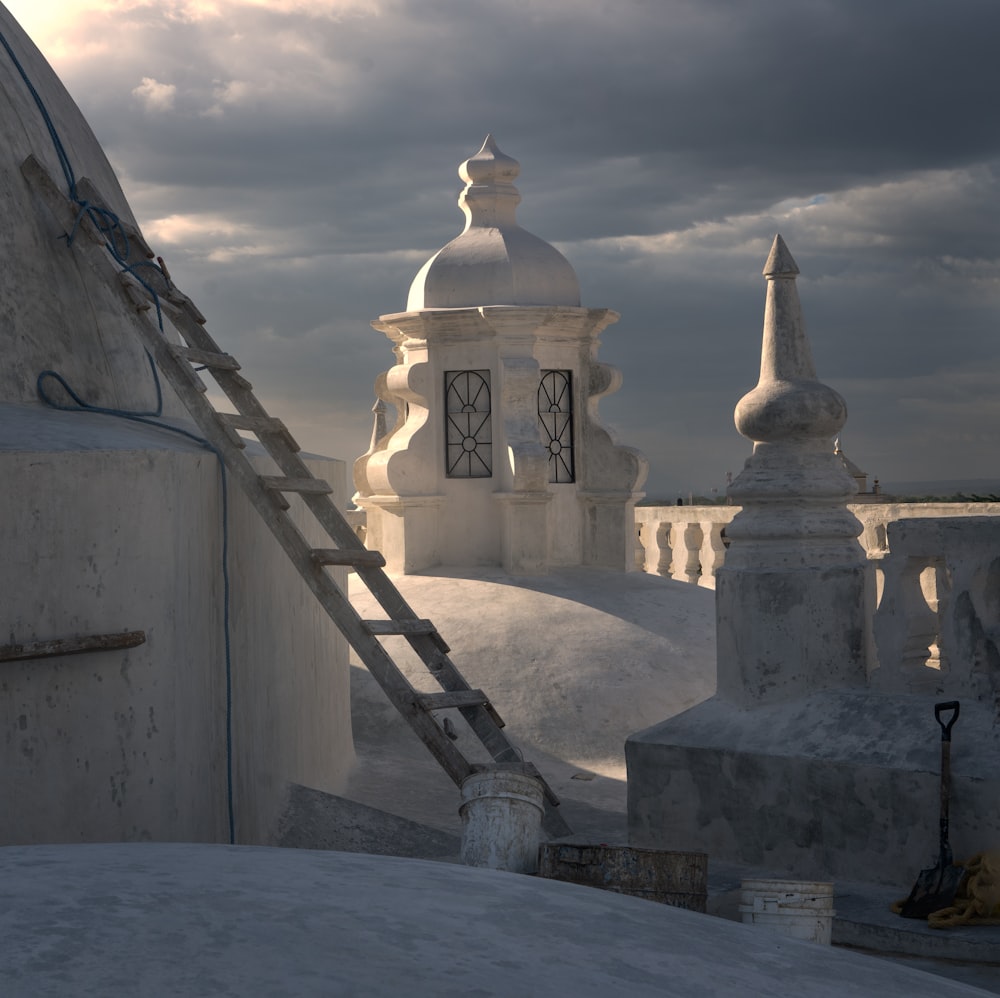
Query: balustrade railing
937,626
936,569
936,576
686,543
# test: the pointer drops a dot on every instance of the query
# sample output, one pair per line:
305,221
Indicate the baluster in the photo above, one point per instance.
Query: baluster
686,541
713,552
906,626
655,542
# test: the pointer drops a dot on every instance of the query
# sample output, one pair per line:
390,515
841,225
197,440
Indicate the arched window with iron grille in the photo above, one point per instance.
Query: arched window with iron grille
555,413
468,434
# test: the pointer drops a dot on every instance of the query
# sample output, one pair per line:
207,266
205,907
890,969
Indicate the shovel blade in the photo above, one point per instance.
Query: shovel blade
935,889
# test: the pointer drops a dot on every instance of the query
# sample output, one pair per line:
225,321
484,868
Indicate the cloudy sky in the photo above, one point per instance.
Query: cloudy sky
295,163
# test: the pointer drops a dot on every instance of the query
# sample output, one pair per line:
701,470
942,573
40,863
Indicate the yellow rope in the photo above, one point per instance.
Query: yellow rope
977,901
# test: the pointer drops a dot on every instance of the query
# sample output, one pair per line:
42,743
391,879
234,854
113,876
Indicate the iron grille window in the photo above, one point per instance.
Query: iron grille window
468,438
555,413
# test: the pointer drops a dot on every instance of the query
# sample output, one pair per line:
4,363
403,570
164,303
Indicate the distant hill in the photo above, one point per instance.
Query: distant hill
940,489
944,488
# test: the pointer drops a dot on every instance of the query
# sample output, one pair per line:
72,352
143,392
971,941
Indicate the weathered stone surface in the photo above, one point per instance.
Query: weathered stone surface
793,597
796,766
56,313
197,920
835,785
108,525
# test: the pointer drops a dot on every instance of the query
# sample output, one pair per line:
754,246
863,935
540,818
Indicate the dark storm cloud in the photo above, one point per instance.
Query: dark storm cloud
296,162
695,100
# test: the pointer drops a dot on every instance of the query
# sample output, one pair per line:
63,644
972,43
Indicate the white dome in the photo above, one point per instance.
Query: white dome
494,261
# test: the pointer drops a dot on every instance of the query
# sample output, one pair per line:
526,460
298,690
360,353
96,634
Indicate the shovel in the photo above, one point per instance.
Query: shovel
935,888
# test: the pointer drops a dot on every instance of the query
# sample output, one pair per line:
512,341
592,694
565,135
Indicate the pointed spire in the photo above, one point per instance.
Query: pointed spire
794,487
779,261
788,402
785,354
378,427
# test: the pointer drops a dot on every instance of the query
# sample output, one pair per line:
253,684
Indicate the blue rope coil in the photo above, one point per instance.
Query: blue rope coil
118,245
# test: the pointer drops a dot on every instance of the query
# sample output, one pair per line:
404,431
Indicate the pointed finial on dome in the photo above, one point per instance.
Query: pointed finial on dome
494,261
490,198
490,166
779,261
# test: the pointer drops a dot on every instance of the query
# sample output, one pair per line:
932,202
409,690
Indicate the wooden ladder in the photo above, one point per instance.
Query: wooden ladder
180,365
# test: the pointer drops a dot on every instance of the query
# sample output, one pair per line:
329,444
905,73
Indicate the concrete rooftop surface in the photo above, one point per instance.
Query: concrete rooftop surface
188,919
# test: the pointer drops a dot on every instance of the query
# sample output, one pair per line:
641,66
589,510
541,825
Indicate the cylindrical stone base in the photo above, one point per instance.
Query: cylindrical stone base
501,820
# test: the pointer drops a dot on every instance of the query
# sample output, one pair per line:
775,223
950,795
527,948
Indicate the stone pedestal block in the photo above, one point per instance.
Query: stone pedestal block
609,530
404,530
524,532
842,786
806,630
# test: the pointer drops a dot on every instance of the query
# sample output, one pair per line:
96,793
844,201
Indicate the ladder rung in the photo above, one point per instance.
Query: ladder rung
348,556
213,361
199,384
459,698
234,438
407,627
260,425
181,300
234,381
135,291
193,379
312,486
452,698
86,189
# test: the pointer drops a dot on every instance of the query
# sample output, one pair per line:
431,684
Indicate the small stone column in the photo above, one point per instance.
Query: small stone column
791,598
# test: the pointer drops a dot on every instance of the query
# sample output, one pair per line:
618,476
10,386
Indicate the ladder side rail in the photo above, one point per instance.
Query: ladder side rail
189,323
292,465
62,208
430,647
480,718
448,677
380,665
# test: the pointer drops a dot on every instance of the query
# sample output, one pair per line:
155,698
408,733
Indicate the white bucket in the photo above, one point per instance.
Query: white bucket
501,820
802,909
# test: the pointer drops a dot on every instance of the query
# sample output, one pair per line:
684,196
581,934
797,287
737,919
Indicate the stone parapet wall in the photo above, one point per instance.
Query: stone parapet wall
687,543
936,575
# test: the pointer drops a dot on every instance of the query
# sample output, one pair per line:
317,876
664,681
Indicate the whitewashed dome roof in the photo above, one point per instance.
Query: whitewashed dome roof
494,261
58,315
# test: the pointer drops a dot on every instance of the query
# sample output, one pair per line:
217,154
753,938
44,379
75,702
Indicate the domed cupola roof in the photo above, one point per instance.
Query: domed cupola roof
494,261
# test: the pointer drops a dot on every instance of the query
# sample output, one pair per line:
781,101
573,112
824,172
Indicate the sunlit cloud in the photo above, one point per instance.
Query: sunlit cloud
155,96
295,160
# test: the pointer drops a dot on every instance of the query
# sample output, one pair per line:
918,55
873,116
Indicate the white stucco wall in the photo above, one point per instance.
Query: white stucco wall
418,516
107,526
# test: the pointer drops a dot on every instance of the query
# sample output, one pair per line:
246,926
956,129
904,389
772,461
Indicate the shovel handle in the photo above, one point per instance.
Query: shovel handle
946,726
